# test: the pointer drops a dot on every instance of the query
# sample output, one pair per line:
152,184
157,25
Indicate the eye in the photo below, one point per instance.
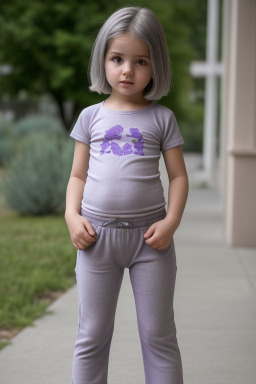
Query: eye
141,62
117,59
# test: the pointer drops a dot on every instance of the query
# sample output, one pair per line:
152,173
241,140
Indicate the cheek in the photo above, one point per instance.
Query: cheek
110,70
147,76
150,72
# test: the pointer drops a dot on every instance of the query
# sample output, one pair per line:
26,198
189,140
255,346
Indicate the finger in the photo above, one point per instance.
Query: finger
159,245
155,245
87,238
80,245
151,243
152,240
75,245
83,244
82,236
86,242
89,227
149,232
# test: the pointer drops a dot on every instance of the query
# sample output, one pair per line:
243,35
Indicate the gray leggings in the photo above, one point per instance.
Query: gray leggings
99,271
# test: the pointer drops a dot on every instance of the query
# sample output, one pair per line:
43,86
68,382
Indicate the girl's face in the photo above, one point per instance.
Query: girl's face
128,67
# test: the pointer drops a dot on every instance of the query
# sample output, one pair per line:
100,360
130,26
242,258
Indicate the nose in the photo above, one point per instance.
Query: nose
127,69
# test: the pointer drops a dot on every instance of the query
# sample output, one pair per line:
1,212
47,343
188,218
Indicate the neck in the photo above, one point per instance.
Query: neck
126,103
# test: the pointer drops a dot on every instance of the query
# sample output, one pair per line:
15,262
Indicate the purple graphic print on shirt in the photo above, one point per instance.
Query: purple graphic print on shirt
115,133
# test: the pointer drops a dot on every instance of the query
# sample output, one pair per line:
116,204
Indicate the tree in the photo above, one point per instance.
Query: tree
48,43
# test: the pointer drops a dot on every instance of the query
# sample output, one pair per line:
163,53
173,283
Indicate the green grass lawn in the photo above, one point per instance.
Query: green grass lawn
37,259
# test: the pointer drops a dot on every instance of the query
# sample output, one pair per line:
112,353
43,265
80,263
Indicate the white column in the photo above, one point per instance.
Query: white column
210,118
211,69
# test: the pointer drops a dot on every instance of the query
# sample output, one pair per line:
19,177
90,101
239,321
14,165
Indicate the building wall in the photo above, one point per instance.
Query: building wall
238,122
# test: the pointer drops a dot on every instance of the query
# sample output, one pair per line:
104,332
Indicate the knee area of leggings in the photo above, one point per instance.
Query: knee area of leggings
95,332
154,332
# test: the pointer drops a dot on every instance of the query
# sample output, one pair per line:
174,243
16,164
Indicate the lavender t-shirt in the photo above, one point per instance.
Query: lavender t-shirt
125,146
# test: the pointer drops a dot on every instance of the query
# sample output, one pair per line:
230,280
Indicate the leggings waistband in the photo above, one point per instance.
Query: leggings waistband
131,222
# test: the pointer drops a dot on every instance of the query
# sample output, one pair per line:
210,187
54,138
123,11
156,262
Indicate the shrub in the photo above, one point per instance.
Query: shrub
193,137
37,124
6,142
38,175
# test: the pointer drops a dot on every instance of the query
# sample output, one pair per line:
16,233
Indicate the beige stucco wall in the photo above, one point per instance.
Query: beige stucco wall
238,123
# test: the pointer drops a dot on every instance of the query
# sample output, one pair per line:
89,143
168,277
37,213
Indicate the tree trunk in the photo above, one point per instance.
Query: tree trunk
68,110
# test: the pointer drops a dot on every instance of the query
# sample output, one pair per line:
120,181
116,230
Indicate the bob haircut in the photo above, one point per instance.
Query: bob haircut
142,23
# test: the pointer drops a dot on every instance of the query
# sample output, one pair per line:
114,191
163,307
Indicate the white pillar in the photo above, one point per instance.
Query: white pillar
210,117
211,69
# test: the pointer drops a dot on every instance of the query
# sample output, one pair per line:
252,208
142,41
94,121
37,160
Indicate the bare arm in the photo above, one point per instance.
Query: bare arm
159,234
178,185
81,231
77,178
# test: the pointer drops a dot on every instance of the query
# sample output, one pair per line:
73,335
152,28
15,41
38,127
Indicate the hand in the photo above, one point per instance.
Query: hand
159,234
81,231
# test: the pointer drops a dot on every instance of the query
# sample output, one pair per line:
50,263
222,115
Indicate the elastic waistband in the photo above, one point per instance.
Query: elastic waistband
122,222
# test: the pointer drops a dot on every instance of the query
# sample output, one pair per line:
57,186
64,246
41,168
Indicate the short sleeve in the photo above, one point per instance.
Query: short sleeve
81,130
171,136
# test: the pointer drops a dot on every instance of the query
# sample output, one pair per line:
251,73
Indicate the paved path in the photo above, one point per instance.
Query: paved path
215,311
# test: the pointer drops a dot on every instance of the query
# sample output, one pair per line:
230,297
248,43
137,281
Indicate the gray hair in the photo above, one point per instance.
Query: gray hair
145,25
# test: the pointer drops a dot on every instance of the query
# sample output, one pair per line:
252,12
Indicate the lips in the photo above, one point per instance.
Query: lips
126,82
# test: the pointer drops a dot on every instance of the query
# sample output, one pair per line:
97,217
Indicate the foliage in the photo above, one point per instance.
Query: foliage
51,43
37,123
184,23
6,141
40,260
12,134
38,175
50,48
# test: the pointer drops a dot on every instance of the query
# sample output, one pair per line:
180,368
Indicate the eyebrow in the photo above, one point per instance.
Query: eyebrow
118,53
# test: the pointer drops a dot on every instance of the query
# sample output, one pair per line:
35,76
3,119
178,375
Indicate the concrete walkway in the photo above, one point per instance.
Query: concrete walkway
215,311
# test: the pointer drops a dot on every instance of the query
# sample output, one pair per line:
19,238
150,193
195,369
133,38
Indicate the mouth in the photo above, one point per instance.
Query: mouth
126,82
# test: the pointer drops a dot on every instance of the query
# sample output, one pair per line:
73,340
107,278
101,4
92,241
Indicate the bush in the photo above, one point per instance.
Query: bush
193,135
38,175
13,135
6,142
37,124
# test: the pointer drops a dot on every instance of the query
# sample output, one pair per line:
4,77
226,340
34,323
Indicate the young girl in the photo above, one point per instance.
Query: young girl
115,205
